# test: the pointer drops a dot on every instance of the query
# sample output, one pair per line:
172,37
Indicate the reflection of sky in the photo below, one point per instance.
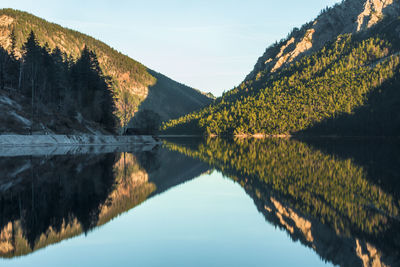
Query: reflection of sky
209,221
208,44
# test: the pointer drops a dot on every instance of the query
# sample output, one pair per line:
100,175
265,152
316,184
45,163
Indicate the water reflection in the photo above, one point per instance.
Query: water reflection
321,193
339,198
44,200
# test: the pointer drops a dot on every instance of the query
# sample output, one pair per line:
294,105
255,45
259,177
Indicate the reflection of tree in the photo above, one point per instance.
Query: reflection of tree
380,157
149,160
333,191
53,201
131,187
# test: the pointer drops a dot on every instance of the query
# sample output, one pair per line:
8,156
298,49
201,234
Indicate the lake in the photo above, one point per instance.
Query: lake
195,202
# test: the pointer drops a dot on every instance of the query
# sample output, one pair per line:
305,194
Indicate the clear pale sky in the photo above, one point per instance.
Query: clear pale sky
207,44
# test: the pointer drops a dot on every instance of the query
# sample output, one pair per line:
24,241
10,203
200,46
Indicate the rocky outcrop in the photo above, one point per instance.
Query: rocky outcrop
5,22
350,16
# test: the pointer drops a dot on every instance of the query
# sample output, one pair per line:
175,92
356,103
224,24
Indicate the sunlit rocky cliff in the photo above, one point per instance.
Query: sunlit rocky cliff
350,16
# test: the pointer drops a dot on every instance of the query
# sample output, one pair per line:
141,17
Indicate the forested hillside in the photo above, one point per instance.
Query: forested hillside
133,86
48,82
353,76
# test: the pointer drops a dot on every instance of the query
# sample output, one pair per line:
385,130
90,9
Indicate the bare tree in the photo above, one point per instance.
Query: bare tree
126,106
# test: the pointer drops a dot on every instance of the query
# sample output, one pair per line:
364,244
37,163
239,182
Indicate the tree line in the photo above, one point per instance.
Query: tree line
53,80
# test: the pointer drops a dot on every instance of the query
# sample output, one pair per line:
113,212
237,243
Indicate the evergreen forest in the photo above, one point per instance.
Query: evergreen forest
52,81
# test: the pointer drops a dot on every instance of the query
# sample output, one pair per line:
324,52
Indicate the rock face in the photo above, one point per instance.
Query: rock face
350,16
5,22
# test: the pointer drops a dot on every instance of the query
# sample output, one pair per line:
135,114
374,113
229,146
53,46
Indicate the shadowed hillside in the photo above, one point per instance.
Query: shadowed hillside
131,82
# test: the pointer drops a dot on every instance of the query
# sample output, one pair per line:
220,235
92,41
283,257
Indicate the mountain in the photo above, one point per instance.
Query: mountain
350,16
337,70
129,80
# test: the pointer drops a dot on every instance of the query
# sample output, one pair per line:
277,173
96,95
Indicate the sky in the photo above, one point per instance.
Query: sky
210,45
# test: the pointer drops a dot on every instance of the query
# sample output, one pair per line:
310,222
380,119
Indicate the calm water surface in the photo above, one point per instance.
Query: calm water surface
205,203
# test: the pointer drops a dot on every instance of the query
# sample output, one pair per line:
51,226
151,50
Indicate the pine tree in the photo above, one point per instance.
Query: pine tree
31,59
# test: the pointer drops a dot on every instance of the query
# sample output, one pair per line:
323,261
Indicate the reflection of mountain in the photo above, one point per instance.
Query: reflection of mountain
46,200
339,249
326,202
380,157
175,168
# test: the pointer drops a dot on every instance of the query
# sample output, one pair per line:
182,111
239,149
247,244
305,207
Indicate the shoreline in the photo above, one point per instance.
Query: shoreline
284,136
15,140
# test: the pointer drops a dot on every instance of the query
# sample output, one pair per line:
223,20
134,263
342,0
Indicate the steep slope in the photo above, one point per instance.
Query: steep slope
166,90
336,76
126,74
350,16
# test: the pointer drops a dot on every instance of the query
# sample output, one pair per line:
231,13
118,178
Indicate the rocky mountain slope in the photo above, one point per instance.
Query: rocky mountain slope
145,89
351,16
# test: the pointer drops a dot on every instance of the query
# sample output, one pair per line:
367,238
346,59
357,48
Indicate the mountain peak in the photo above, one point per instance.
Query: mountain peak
350,16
